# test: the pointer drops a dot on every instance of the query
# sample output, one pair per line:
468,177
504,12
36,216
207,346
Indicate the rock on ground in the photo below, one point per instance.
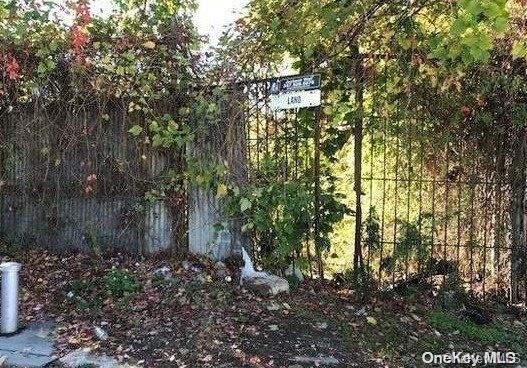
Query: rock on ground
82,357
266,285
320,360
289,271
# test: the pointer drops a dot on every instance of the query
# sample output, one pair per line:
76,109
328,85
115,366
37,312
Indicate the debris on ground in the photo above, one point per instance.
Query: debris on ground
189,317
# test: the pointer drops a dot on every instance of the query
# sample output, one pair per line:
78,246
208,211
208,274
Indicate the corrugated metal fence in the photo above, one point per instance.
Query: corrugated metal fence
75,178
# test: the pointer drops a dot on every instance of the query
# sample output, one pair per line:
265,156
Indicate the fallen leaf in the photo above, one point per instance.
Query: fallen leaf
149,45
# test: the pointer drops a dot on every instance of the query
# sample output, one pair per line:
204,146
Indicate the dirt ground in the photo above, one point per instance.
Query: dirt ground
164,313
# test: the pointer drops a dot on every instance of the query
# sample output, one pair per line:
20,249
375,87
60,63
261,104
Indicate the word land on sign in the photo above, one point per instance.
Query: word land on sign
295,100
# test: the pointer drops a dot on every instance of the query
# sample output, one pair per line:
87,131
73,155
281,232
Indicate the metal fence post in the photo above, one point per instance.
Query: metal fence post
318,249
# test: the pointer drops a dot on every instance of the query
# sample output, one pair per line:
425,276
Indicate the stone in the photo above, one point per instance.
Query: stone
83,357
261,282
266,285
320,360
163,272
25,360
289,271
100,333
186,265
31,347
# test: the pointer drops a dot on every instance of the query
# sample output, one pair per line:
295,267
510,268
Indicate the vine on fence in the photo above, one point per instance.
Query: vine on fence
85,75
141,54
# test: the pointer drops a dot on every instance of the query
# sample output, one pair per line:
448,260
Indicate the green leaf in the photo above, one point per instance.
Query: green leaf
50,64
41,69
136,130
275,23
154,126
245,204
501,25
519,49
248,226
158,141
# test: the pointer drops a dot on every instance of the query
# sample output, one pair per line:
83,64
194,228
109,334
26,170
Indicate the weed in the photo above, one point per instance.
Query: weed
82,292
120,283
449,322
242,320
431,343
293,281
310,315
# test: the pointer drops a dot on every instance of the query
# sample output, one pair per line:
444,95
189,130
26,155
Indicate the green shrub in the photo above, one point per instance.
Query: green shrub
84,295
279,215
362,280
293,281
120,283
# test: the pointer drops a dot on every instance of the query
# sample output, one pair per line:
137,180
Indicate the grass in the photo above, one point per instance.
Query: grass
490,334
389,339
432,343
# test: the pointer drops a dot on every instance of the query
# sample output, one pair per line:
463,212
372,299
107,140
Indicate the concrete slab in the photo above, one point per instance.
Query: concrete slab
32,347
16,359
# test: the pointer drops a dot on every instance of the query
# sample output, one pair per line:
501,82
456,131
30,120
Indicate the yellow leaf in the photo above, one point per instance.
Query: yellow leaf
149,45
371,320
221,191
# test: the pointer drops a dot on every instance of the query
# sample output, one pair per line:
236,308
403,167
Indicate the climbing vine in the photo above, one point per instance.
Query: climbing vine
142,53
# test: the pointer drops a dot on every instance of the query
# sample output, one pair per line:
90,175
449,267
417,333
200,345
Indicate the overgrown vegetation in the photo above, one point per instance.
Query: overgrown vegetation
422,78
447,75
280,216
89,294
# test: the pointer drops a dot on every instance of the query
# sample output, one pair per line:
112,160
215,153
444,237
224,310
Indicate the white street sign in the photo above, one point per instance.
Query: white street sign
295,100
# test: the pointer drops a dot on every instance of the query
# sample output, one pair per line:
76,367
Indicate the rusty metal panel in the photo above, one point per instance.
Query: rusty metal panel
71,180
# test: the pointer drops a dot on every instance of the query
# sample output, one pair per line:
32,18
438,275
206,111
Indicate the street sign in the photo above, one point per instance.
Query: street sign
300,83
292,84
295,100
